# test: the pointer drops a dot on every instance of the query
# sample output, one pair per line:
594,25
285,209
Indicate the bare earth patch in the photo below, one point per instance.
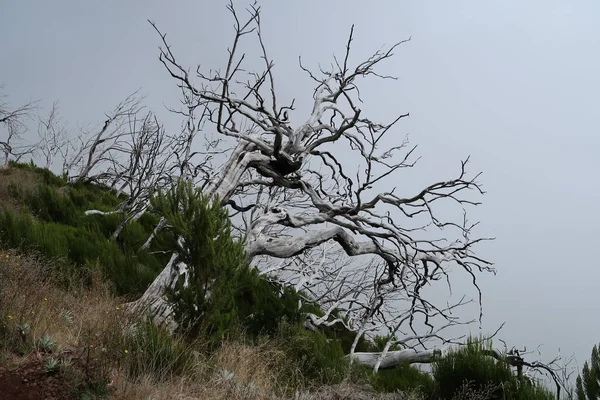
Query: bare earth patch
29,382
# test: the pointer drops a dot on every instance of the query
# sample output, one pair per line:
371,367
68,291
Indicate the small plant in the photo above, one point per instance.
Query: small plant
51,365
252,387
66,316
225,375
23,329
65,364
46,343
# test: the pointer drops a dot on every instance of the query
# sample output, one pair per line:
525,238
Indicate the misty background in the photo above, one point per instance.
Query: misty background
513,84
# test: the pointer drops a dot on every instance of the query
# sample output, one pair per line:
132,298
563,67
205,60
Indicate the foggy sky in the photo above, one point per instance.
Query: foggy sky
514,84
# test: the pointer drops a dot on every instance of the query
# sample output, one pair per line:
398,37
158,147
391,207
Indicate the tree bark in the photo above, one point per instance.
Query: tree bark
394,358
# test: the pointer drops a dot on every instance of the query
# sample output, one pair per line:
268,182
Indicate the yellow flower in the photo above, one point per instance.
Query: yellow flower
45,299
117,308
10,317
126,351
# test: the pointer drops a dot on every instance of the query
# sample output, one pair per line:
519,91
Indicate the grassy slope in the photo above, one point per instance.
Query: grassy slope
63,281
41,213
85,330
61,285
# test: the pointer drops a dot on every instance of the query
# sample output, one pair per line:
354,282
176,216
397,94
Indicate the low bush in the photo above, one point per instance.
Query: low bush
312,358
470,366
404,378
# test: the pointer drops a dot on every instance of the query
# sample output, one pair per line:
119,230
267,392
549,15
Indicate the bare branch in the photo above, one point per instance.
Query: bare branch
101,147
295,187
53,136
12,121
145,170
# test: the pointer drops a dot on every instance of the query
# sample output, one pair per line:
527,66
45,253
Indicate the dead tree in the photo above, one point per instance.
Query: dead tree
144,170
52,136
184,163
12,122
334,200
96,149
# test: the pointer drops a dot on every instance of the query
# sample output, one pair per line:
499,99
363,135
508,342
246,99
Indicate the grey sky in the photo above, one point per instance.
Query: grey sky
513,84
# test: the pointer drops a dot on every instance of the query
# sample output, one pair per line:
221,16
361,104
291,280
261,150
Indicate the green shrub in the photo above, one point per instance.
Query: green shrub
404,378
47,204
152,350
206,248
224,292
470,365
248,301
588,383
312,358
82,246
58,227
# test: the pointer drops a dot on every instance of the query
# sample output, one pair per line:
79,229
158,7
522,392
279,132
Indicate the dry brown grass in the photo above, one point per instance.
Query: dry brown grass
25,179
87,324
234,371
182,389
349,391
468,392
30,295
77,326
251,366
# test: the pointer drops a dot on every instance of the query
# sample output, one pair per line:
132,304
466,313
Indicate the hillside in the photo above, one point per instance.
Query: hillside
66,333
62,320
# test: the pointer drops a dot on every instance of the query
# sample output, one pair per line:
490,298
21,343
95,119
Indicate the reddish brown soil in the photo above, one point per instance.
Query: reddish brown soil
29,382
